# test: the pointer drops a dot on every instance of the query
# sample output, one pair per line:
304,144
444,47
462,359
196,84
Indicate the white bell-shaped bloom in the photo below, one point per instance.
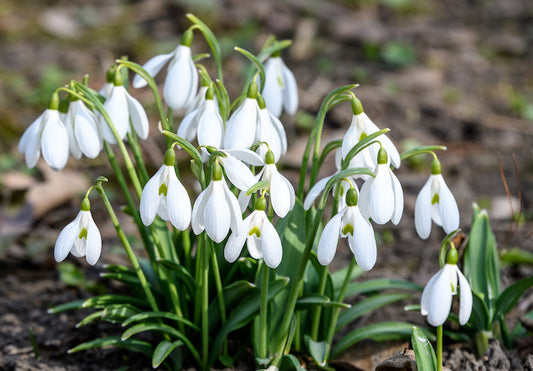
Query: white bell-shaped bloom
204,123
216,209
436,299
238,173
435,202
121,107
181,83
361,127
260,235
271,131
49,135
350,223
319,186
242,125
280,90
382,197
83,130
165,196
81,237
198,99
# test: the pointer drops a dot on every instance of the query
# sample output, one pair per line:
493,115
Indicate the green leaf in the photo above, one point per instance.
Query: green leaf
130,344
517,256
509,297
93,317
378,332
163,350
318,350
182,274
232,293
480,317
167,315
362,144
257,64
77,304
356,288
119,312
122,277
338,277
257,186
424,353
290,363
104,300
211,41
420,150
366,306
481,262
312,300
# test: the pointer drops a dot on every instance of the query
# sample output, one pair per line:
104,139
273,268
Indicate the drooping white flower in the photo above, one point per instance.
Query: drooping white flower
199,98
84,133
80,237
280,90
49,135
216,209
315,191
436,299
260,235
280,189
381,197
121,107
435,202
350,223
270,131
181,82
204,123
165,196
360,128
238,173
242,125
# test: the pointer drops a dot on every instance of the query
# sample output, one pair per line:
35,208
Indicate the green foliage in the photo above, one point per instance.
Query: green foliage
425,355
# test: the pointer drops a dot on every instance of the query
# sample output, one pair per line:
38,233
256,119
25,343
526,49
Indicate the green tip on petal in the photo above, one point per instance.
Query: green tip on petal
187,37
54,102
117,79
252,91
85,205
435,167
210,93
382,156
269,158
453,256
357,107
217,172
351,197
260,204
261,101
170,158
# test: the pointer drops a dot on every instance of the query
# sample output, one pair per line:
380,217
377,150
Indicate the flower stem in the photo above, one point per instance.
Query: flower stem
439,348
318,310
336,310
263,338
137,155
205,301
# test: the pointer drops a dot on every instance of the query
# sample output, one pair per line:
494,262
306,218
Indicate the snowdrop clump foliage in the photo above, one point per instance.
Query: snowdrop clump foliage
196,284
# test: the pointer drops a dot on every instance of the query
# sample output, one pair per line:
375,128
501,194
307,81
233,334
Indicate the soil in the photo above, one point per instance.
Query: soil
446,72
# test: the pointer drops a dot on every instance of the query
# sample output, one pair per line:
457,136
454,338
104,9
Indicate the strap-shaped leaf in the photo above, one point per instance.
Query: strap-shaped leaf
182,273
509,297
290,363
232,294
319,350
102,301
130,344
378,332
419,150
356,288
313,300
163,350
122,277
77,304
150,315
424,353
93,317
367,305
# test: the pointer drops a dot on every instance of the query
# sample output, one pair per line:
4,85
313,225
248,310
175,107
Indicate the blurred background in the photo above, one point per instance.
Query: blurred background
451,72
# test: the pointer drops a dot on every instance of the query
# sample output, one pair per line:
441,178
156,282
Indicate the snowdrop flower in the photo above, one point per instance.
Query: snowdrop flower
361,127
80,237
121,107
436,299
242,125
181,82
435,202
349,222
216,209
281,190
260,235
105,90
200,96
49,135
165,196
345,185
84,134
269,130
382,196
204,123
238,173
280,90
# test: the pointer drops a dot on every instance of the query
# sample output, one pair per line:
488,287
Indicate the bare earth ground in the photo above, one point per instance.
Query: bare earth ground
438,72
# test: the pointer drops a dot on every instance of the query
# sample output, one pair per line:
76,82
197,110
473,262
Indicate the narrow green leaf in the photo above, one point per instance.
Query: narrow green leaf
420,150
517,256
367,305
119,312
424,353
319,350
182,274
378,332
93,317
509,297
168,315
211,41
312,300
338,277
256,62
232,294
163,350
480,317
290,363
77,304
104,300
356,288
122,277
362,144
130,344
257,186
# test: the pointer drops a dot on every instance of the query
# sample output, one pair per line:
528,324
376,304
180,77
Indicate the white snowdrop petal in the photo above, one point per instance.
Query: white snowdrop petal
247,156
448,210
465,300
217,215
392,151
94,242
66,238
254,247
241,127
440,298
278,126
364,195
243,200
280,193
30,144
210,126
139,120
327,246
398,199
363,241
290,90
233,247
178,203
189,125
86,134
314,192
234,208
153,66
272,91
351,138
381,196
181,82
271,244
423,211
238,173
34,130
424,301
54,142
116,106
266,132
197,216
150,198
